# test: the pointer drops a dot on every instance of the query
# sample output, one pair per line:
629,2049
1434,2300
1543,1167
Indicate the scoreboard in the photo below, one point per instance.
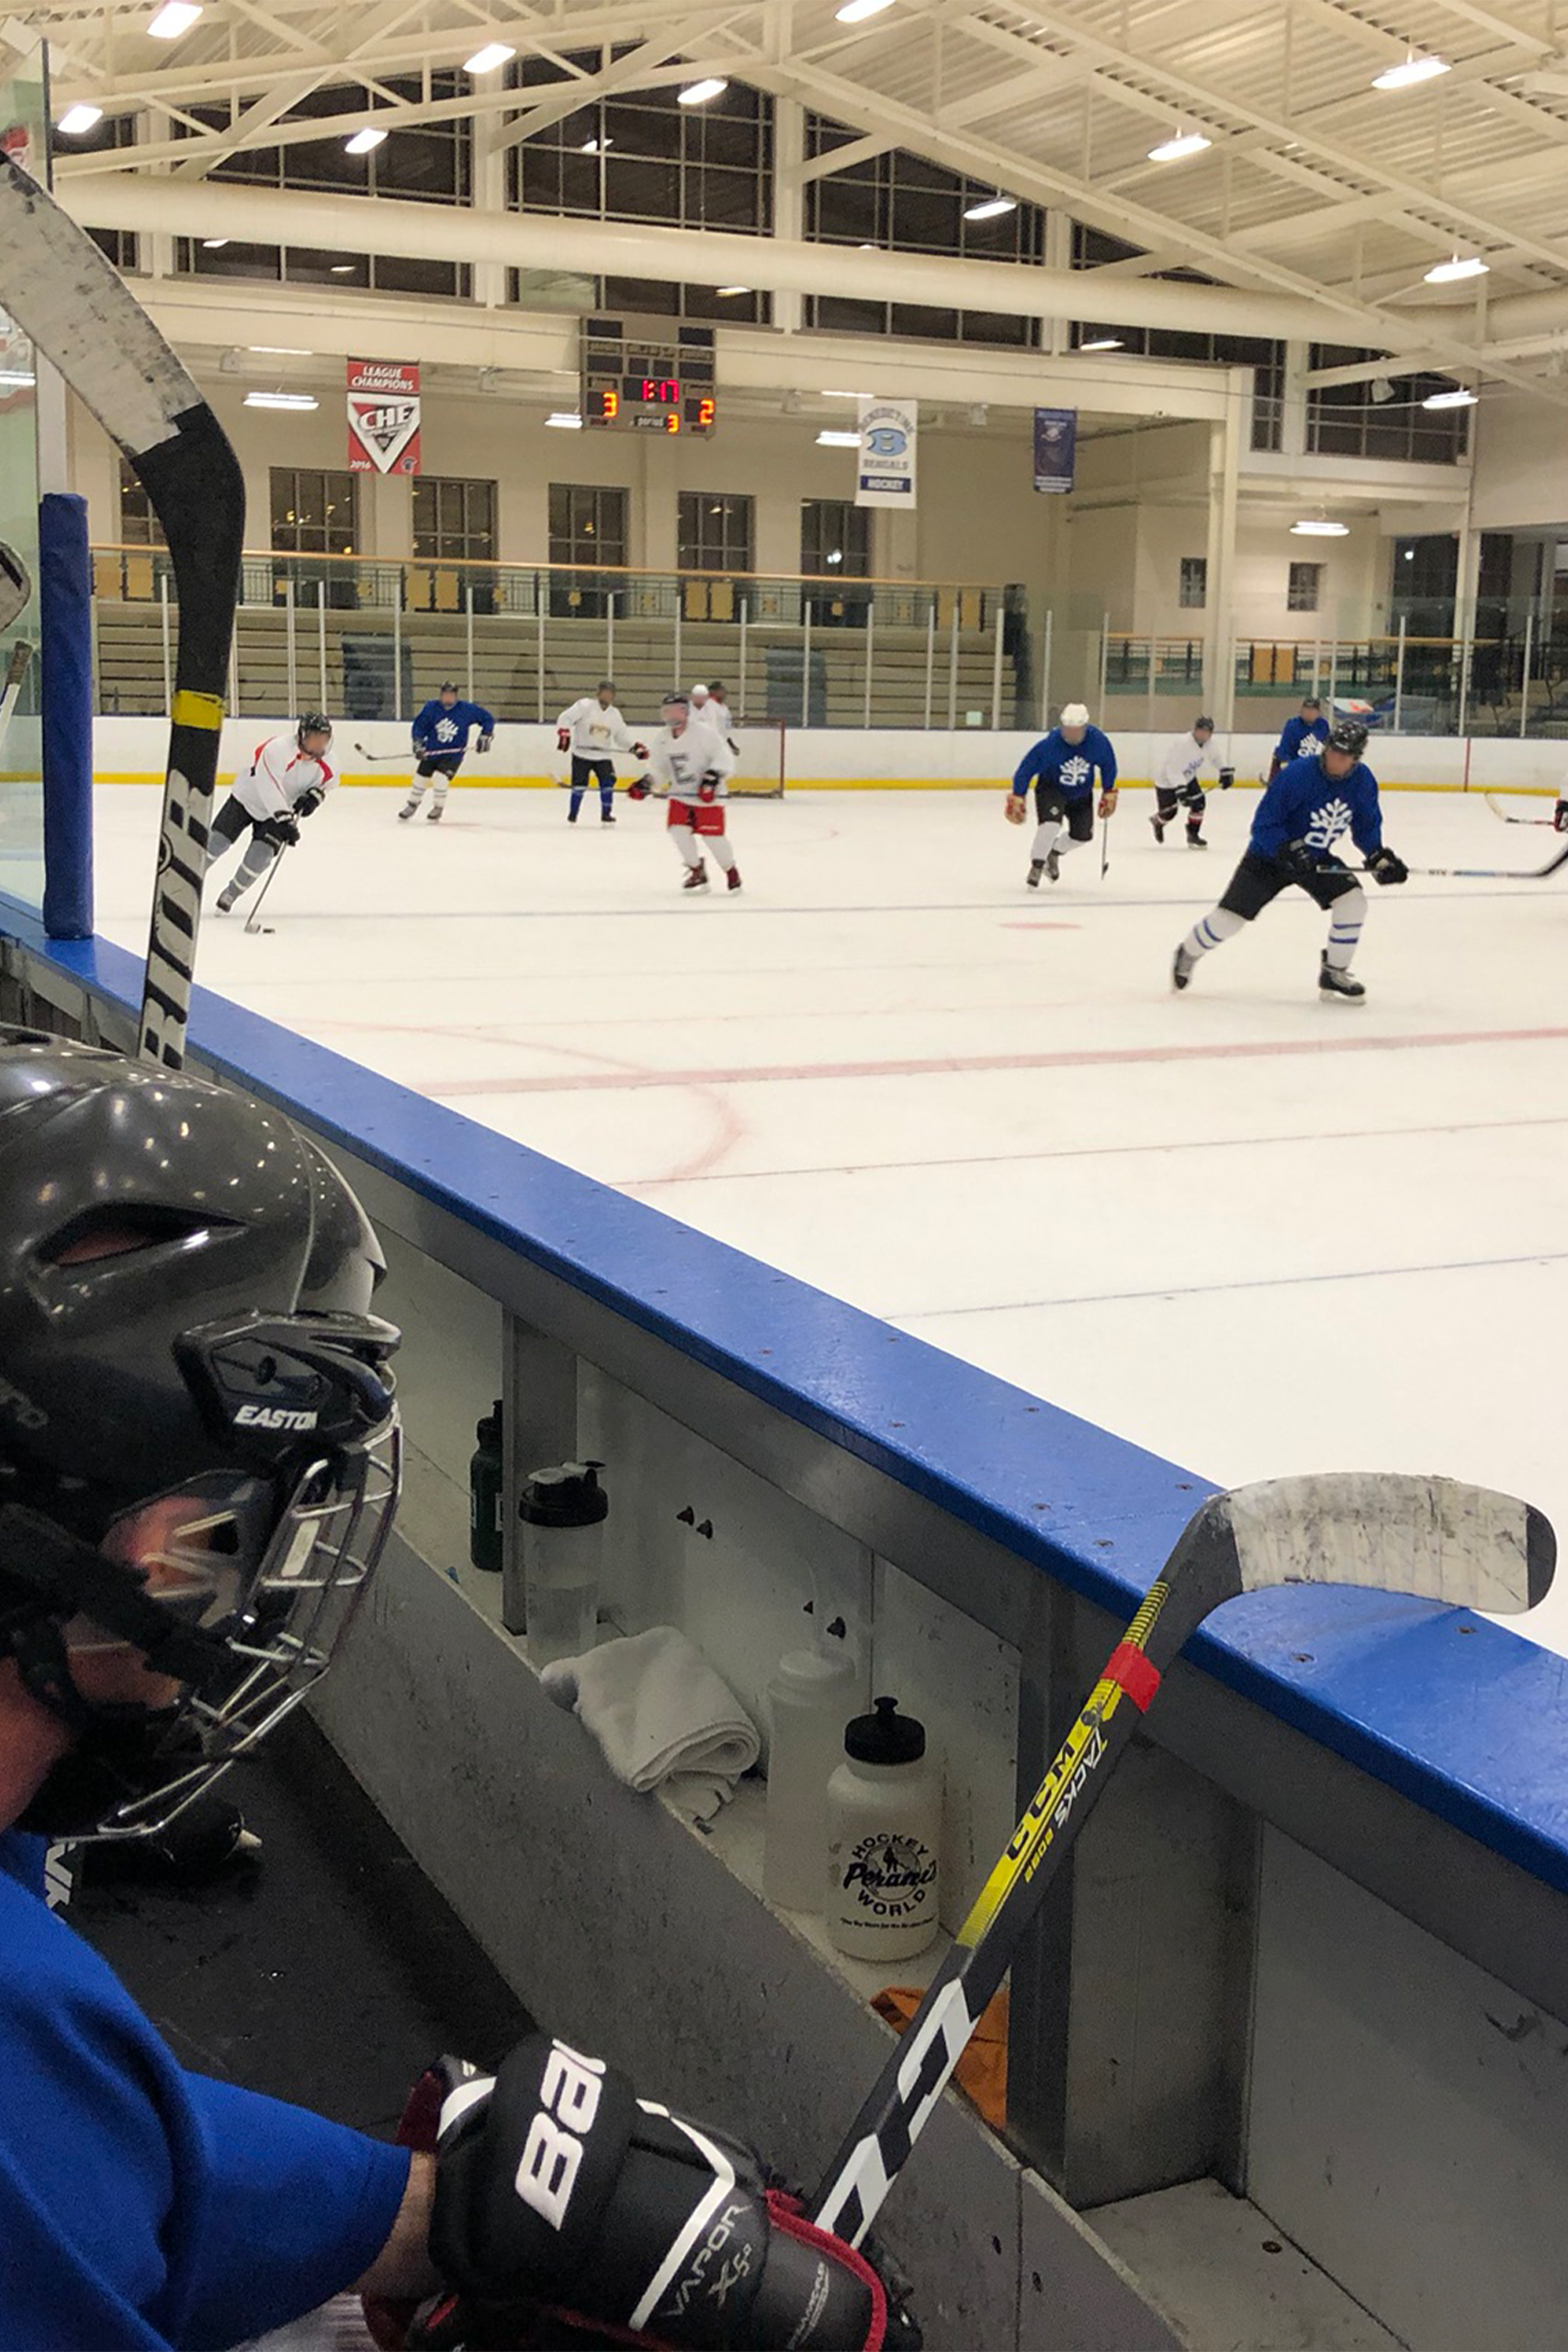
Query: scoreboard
648,379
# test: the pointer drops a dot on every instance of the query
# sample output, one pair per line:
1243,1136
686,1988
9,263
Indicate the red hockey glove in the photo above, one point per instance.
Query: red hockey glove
708,789
640,789
1108,802
563,2201
563,738
1016,808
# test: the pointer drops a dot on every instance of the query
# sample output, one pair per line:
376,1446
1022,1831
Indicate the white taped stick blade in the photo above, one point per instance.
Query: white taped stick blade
1467,1546
60,289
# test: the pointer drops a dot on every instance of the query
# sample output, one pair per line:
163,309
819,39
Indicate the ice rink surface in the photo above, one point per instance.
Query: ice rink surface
1253,1231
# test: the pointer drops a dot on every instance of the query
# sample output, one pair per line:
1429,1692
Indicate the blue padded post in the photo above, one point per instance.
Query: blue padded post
65,625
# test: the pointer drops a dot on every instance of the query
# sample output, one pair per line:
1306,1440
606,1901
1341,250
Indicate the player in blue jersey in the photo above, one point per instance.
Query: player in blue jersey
1301,815
441,744
198,1468
1307,731
1062,767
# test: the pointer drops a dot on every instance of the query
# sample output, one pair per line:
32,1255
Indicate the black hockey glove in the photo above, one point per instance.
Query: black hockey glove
1560,817
309,802
1301,858
1227,777
486,740
560,2197
282,831
1384,867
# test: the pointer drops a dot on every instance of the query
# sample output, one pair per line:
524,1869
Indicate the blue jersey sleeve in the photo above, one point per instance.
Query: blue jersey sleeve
424,724
1035,763
482,719
1366,813
1099,747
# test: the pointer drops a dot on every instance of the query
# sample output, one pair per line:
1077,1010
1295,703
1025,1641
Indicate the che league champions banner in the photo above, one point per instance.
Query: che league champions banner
1056,444
383,417
884,469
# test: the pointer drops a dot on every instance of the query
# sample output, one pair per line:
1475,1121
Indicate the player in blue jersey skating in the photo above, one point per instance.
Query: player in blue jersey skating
199,1452
441,743
1062,767
1307,731
1301,815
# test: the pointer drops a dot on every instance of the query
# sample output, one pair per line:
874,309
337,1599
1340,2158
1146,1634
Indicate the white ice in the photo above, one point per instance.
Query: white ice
1255,1231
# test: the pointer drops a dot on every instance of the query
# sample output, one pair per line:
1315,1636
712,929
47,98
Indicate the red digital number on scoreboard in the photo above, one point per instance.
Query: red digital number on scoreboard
662,391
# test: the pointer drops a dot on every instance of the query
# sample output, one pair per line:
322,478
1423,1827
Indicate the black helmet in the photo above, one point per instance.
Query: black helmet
1347,735
1206,723
198,1441
676,694
447,686
315,722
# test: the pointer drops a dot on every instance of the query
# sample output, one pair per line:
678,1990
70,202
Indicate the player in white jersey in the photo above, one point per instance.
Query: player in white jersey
593,729
1176,784
716,710
692,764
288,780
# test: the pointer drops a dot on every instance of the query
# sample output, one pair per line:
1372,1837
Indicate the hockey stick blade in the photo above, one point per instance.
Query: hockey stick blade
1495,873
15,585
15,670
1433,1538
84,318
253,920
1509,818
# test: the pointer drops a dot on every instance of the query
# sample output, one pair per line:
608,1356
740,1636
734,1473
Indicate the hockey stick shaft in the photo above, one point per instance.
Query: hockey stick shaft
15,670
81,314
1495,873
1434,1539
402,758
253,920
1509,818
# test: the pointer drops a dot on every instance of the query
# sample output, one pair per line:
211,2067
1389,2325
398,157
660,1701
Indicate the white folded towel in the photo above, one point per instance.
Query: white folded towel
661,1715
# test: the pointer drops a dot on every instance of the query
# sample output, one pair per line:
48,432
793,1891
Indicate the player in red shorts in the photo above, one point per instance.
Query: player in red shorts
692,764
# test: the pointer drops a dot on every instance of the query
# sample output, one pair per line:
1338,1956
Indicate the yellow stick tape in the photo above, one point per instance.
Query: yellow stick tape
188,709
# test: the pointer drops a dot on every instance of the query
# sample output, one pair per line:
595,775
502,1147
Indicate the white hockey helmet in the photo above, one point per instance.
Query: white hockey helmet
699,693
1074,713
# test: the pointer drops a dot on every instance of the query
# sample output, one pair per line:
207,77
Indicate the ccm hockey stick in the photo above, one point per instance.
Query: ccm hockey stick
253,922
1495,873
1434,1538
83,317
1508,818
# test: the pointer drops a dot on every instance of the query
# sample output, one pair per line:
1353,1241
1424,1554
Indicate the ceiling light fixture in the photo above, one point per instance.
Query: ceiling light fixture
846,396
364,140
341,269
990,207
1459,396
80,119
213,244
564,421
486,60
1175,149
1102,343
281,399
697,94
596,146
16,378
829,439
855,12
724,292
174,18
1319,527
1449,273
1414,70
281,350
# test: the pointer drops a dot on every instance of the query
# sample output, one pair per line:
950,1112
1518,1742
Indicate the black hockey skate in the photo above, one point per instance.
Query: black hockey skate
696,876
1336,983
1157,826
734,880
435,817
1182,967
1195,839
1036,869
409,809
1053,865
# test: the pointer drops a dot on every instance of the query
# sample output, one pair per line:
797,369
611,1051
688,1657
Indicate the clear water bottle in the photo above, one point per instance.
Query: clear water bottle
883,1838
808,1701
563,1513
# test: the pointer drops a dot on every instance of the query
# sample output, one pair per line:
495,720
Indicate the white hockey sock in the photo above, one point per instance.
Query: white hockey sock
723,854
685,842
1212,930
1064,841
1346,918
443,785
1044,838
416,790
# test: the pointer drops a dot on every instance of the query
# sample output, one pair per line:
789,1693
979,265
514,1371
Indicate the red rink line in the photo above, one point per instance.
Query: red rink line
784,1073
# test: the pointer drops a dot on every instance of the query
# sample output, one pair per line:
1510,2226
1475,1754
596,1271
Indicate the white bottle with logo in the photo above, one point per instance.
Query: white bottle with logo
807,1700
883,1838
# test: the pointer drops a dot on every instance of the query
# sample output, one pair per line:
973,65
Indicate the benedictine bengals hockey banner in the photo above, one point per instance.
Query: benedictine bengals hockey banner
884,469
383,416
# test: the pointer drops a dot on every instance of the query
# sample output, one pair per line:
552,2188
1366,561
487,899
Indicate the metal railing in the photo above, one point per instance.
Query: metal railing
369,638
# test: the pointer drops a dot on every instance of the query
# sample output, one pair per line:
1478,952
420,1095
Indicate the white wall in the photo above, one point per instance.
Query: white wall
132,751
1521,462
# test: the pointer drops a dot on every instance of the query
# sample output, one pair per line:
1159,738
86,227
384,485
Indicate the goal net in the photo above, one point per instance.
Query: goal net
761,759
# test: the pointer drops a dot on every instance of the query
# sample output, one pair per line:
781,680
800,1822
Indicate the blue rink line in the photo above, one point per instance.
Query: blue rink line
1454,1713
